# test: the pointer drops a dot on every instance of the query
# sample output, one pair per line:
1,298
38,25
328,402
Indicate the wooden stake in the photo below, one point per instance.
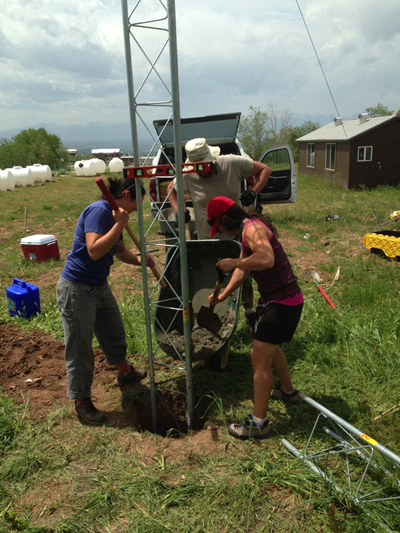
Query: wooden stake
386,412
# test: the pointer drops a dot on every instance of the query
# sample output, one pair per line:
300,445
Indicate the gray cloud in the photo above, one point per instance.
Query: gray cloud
67,65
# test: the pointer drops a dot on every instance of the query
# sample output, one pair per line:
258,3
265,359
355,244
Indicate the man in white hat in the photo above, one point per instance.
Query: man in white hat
224,180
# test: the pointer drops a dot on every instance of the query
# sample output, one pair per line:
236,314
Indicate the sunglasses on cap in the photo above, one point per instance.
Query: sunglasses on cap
212,221
129,188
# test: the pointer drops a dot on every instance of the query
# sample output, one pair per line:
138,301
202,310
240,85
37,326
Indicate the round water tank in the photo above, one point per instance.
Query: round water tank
23,176
78,166
100,165
41,173
89,168
7,182
116,165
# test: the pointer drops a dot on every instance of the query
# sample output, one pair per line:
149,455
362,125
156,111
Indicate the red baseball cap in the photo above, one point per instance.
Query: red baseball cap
216,208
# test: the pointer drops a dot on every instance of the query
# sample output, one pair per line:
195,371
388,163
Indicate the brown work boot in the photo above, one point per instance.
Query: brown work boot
133,376
87,412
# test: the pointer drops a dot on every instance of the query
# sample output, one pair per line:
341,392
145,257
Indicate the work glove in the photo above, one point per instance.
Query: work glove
248,197
187,216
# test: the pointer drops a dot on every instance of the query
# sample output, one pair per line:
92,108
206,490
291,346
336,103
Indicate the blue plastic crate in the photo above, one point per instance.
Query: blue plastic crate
23,299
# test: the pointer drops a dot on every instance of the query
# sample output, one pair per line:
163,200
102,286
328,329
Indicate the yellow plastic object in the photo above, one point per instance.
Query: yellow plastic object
395,214
389,244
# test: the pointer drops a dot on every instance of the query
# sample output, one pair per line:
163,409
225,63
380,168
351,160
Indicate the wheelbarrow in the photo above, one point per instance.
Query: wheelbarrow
202,257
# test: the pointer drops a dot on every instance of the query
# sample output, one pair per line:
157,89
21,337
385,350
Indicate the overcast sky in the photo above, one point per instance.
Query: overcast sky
64,61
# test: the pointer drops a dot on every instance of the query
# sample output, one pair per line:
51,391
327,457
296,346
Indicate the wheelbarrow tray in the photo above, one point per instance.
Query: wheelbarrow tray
202,257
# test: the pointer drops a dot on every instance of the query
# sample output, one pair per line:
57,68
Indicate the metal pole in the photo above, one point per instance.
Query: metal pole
138,182
129,73
384,451
181,209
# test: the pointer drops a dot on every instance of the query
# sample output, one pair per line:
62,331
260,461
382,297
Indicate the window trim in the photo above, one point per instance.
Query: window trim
332,169
310,153
364,148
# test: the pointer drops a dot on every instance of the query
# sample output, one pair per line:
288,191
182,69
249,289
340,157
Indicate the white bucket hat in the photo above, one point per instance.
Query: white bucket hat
198,150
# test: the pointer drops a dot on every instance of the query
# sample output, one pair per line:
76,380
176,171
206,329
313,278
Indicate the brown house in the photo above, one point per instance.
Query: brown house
353,153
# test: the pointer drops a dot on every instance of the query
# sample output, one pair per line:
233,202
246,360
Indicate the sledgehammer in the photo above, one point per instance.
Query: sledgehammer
110,199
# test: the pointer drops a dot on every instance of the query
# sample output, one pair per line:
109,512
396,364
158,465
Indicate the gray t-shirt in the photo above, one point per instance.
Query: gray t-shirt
229,171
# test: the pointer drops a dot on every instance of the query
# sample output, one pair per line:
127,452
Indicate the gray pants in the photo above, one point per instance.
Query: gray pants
88,310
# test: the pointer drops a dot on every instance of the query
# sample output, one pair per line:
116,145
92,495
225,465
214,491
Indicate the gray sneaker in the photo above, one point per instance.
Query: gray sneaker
134,376
247,430
278,394
87,412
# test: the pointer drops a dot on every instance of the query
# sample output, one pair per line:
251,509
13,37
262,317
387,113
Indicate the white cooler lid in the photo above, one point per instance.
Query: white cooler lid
38,239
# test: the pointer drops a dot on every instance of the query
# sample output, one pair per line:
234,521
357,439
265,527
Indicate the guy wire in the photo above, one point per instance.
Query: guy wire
337,111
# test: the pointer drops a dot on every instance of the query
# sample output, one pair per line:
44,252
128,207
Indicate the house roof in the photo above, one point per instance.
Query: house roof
106,151
345,130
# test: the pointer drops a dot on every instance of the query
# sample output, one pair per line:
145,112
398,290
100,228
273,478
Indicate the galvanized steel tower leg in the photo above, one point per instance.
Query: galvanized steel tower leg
133,105
351,442
181,220
132,109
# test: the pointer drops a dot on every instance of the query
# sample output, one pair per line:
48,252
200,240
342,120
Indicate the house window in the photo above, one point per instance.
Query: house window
364,153
330,155
311,155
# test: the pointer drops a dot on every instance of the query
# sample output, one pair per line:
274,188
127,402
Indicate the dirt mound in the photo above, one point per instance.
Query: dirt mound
33,368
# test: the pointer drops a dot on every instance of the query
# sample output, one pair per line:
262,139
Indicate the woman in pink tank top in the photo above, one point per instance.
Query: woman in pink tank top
278,311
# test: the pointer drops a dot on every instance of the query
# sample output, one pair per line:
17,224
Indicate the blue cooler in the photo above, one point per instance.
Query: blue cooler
23,299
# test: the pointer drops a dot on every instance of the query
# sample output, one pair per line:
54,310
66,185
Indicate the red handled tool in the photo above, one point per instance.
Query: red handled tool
110,199
310,274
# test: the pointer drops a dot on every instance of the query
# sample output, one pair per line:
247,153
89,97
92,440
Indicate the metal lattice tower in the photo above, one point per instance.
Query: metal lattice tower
152,69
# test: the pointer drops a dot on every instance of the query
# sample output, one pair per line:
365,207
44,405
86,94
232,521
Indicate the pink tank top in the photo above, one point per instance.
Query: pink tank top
276,284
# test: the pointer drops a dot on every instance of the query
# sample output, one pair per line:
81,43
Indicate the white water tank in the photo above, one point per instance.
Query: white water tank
7,181
89,168
85,168
100,165
41,173
23,176
116,165
78,166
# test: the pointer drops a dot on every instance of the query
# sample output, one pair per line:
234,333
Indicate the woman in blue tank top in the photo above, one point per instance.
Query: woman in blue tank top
278,311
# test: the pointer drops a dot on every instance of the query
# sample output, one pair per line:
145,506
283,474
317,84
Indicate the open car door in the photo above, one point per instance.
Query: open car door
282,184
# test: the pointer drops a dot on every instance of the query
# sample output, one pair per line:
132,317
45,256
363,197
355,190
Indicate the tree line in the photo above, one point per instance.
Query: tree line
33,146
260,130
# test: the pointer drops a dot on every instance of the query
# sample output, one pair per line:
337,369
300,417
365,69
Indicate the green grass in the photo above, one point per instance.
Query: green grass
58,476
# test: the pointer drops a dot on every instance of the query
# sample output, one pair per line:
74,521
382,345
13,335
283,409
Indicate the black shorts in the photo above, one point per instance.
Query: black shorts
276,323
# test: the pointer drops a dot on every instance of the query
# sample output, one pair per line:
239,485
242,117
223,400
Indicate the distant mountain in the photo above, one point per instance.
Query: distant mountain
323,120
85,138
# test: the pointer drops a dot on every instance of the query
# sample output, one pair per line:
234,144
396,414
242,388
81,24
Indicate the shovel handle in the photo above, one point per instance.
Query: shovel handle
325,295
155,268
217,290
110,199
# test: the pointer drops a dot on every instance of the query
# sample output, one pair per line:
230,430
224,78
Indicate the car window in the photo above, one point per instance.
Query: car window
277,159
